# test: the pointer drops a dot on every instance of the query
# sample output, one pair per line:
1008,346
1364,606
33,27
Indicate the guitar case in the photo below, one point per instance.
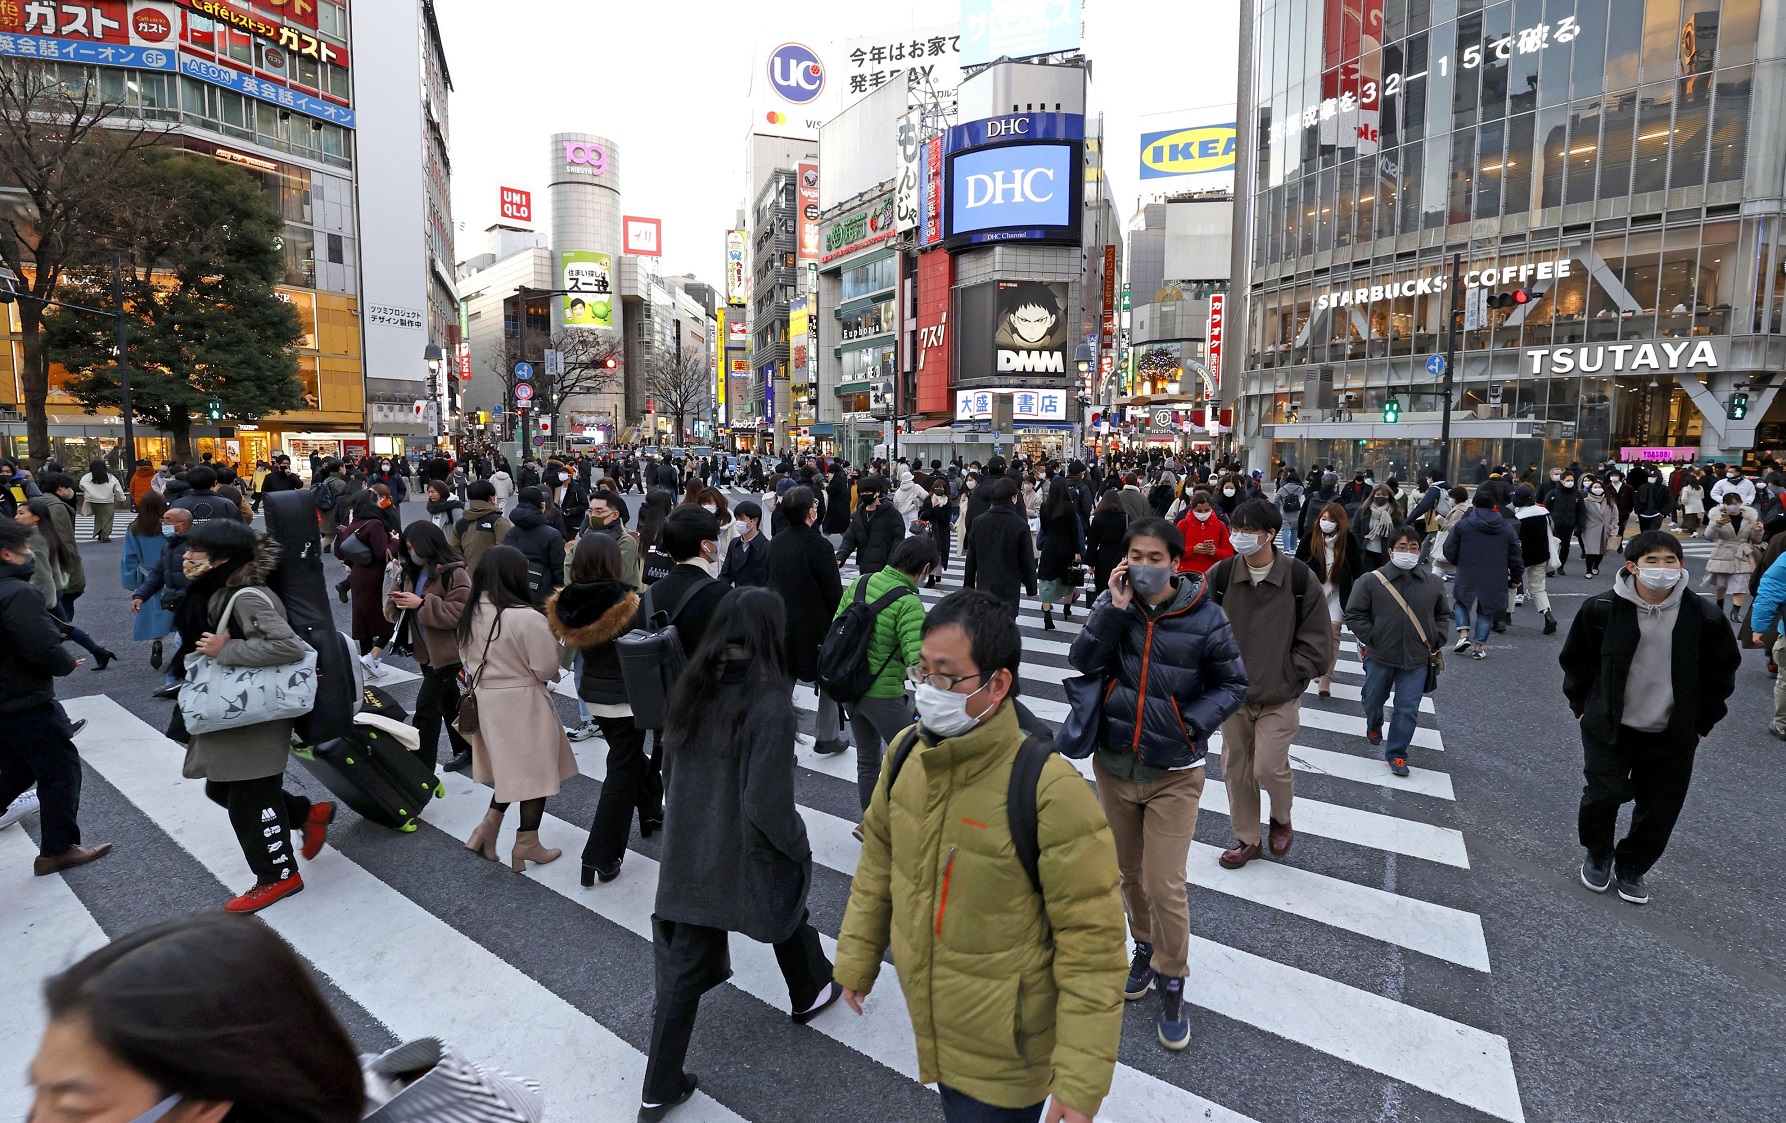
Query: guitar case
299,582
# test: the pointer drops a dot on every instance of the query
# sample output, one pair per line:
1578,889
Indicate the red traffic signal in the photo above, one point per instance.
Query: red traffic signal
1510,299
611,363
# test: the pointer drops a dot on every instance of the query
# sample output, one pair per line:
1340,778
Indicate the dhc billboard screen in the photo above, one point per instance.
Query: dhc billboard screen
1015,192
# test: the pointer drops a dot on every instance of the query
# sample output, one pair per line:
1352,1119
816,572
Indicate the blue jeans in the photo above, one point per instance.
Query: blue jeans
1290,538
959,1107
1485,622
577,685
1408,686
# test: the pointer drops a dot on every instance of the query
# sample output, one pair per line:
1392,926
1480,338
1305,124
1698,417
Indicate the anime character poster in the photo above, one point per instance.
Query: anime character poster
1031,337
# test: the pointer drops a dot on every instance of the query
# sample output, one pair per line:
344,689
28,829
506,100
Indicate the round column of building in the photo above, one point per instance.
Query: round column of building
583,179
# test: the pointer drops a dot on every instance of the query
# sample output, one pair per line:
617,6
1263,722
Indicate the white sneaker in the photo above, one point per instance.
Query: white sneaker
373,667
1519,598
582,732
21,807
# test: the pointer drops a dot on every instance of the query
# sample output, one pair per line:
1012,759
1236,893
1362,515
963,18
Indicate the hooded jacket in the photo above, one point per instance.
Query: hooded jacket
1487,556
590,616
898,631
1172,676
480,526
542,545
31,653
74,572
1013,996
445,596
872,535
1534,528
1598,657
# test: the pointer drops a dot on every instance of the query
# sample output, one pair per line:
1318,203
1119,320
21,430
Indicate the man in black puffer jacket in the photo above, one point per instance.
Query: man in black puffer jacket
1174,676
874,529
39,745
535,536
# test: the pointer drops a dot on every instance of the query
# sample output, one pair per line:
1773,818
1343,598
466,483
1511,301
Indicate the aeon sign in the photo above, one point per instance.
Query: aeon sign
590,159
796,73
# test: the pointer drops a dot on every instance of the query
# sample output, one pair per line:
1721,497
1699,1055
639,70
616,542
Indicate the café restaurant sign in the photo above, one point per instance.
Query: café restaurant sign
291,38
858,231
1510,276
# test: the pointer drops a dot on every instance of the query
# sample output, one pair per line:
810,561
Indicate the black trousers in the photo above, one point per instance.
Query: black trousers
1651,769
39,749
263,815
1648,523
691,960
633,783
437,704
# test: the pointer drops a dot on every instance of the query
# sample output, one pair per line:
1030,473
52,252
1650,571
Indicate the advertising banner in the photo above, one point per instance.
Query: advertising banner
517,205
1192,150
932,191
1212,351
1015,191
807,185
1026,405
1031,337
905,190
719,372
589,285
927,59
1351,73
936,276
1017,29
87,52
736,273
231,79
643,236
858,231
295,39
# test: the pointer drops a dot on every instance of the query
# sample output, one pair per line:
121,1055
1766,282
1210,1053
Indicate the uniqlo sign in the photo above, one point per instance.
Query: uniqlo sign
1213,350
517,205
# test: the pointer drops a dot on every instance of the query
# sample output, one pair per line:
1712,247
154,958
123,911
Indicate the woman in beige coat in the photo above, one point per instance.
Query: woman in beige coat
1734,530
512,659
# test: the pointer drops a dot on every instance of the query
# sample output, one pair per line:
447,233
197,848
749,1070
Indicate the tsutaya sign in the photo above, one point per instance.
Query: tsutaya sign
1611,358
1520,275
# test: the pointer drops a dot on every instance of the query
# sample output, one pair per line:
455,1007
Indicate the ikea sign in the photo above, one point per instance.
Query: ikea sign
1202,148
1018,191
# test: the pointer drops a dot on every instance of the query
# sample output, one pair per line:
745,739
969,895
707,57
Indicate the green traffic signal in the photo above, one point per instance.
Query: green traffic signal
214,411
1739,407
1392,411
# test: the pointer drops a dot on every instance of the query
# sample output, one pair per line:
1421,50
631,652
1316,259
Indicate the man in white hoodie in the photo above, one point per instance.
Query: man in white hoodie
505,489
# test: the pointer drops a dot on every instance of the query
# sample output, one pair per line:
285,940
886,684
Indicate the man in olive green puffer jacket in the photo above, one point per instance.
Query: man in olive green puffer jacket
1014,996
898,634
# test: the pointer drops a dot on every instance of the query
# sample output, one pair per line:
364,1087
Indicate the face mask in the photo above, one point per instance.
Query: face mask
1556,475
1379,502
169,531
1149,580
1659,577
1202,516
415,560
1405,561
944,712
1227,491
564,477
384,502
194,569
1568,483
1328,526
713,507
1245,544
1598,490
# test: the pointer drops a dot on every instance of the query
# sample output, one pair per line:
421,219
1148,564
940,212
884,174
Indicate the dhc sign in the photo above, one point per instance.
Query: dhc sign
1205,148
1011,187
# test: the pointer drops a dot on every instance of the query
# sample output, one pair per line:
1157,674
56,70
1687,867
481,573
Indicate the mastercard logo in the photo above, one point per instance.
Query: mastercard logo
775,118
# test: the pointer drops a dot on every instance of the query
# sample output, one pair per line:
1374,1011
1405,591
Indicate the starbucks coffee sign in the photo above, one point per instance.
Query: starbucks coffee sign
1617,358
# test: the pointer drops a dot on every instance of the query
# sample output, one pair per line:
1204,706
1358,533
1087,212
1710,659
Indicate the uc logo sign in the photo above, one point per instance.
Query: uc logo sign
796,73
1206,148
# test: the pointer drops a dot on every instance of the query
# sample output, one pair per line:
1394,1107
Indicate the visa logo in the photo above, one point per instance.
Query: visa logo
1205,148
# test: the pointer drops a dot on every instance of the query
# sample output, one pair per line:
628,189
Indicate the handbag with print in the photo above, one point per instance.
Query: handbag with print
216,696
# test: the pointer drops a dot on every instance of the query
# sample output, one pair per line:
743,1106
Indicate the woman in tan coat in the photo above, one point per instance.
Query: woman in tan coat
512,659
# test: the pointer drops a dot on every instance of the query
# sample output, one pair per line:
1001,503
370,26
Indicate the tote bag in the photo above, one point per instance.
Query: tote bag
216,697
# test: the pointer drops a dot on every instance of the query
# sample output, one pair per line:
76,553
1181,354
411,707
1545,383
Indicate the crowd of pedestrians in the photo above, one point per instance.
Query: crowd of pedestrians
1214,600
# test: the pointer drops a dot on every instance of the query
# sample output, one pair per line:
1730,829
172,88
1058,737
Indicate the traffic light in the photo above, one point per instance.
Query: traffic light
1392,411
1510,299
545,426
214,411
1739,406
611,363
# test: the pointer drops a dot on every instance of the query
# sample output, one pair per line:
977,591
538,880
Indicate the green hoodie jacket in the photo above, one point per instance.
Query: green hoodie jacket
1013,997
902,622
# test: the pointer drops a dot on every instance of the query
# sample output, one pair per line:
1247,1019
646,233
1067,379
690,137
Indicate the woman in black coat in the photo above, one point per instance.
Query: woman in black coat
803,570
1103,542
735,855
938,512
837,507
1061,547
1564,505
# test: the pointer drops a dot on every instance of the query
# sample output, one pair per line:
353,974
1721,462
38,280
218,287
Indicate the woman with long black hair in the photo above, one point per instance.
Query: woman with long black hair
365,579
654,562
589,614
434,590
735,856
1330,550
1062,547
519,747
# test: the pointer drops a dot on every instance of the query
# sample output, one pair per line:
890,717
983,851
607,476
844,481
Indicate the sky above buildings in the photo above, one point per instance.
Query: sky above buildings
670,84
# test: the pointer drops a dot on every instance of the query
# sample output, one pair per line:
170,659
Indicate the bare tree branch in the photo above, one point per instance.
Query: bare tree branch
585,355
680,387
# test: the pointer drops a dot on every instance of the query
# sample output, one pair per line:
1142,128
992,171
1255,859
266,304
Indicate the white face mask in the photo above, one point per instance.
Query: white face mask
1227,491
1245,544
1202,516
1328,526
1598,490
944,712
1660,577
1405,561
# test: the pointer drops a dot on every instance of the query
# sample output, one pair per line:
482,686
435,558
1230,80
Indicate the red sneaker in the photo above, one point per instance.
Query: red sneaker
316,829
261,896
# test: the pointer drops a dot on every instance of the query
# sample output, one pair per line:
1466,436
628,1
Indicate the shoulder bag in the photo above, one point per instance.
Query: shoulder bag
216,697
466,719
1435,660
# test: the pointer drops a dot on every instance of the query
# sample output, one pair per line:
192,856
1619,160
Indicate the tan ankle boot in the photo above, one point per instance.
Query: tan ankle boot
483,840
528,849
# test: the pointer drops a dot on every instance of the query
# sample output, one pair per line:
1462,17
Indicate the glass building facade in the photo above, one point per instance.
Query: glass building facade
1619,161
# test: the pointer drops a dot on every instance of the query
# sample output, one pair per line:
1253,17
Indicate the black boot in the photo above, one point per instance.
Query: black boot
1047,620
1550,624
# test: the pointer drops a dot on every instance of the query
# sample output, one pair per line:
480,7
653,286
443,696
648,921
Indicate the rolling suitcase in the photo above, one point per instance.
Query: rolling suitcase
300,584
375,775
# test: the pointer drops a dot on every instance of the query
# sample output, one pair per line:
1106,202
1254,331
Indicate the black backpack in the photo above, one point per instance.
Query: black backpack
844,672
1300,578
651,658
1291,503
323,495
1020,795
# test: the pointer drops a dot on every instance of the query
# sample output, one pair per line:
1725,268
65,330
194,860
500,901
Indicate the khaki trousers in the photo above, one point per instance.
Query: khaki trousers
1152,823
1780,683
1256,754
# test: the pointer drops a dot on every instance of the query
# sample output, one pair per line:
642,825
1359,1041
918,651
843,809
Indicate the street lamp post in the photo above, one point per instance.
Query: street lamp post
434,357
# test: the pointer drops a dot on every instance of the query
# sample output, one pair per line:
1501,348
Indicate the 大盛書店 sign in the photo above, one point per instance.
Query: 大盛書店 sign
291,38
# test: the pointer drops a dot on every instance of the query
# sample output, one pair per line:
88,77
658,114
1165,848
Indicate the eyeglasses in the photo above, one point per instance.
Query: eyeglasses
940,681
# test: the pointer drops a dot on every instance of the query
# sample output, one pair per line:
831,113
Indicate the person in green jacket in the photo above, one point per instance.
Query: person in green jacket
898,635
1014,996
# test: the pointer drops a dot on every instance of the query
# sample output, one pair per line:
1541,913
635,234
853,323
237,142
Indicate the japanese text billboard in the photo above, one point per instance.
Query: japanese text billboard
589,285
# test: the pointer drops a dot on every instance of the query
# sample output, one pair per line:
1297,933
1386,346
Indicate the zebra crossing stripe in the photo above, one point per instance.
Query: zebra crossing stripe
587,1069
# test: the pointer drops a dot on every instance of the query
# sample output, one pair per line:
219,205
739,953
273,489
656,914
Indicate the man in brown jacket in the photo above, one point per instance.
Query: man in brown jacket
1281,622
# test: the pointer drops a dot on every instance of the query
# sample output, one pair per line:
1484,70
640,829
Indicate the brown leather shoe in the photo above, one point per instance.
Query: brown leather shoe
1280,838
69,858
1239,855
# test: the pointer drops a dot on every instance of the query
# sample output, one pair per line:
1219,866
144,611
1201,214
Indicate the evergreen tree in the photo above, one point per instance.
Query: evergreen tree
205,322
